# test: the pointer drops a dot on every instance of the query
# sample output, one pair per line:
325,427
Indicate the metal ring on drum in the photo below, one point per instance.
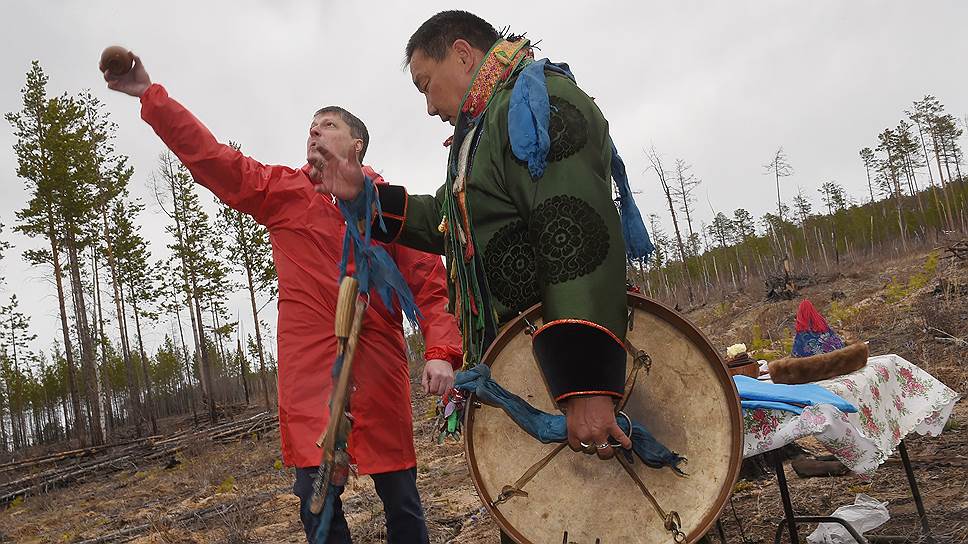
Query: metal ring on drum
686,399
622,414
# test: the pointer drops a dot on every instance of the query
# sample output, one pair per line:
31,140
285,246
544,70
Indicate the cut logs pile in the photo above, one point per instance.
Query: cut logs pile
957,251
785,285
40,474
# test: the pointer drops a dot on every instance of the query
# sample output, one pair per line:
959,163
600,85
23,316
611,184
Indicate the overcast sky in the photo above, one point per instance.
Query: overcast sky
719,84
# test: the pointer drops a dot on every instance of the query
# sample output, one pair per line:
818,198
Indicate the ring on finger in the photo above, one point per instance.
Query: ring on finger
629,420
603,446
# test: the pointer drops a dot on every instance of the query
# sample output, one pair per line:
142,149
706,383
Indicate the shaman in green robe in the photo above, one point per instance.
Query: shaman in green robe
512,241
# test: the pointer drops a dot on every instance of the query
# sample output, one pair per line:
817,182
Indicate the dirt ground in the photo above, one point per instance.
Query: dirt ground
888,304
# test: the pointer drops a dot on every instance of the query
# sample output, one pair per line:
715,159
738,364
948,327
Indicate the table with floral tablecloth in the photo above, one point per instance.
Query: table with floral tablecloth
893,398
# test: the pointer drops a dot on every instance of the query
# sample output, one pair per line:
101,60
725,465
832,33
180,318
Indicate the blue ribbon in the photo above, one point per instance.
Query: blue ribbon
548,428
529,116
375,269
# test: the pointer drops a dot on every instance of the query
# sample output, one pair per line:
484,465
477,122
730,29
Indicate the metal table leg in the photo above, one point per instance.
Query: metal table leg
785,498
722,532
913,484
792,519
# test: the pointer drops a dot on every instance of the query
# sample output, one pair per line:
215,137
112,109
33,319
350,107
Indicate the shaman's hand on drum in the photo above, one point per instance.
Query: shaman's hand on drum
592,427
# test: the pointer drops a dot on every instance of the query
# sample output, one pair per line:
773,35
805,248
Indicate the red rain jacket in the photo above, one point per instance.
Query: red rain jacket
306,230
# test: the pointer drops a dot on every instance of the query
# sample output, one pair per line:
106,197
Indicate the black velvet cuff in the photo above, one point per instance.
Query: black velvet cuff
393,204
580,358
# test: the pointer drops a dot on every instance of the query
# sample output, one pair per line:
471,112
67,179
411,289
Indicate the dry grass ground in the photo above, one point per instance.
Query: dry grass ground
888,304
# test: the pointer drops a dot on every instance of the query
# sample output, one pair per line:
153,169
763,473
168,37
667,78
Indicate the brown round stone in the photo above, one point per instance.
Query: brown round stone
116,60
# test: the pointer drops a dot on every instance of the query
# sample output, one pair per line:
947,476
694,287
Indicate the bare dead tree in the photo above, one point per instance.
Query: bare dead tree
780,167
656,161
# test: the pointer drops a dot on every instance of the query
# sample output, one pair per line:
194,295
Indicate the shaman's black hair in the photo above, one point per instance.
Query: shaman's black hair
437,34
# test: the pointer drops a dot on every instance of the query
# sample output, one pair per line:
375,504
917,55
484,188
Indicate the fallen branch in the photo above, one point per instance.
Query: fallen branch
186,518
947,337
103,460
958,250
59,456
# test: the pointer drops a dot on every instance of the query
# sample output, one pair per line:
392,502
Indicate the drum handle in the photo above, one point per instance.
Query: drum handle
515,490
640,360
672,521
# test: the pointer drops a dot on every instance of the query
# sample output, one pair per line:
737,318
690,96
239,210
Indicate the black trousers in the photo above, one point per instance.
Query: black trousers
401,507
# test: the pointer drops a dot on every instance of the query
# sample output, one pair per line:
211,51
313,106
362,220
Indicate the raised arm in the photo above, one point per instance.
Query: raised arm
239,181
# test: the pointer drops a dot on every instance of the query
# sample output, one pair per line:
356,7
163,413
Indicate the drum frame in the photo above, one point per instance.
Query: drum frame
524,324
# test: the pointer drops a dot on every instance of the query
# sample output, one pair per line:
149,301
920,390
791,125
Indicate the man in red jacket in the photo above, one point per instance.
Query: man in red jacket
306,231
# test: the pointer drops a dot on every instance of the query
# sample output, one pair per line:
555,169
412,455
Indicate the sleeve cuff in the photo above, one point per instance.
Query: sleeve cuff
452,355
580,357
393,205
151,98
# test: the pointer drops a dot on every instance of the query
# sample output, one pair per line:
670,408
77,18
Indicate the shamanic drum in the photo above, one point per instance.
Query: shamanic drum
685,397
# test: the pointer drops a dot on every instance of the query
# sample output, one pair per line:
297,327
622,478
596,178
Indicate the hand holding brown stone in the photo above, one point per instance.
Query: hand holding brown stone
123,71
116,60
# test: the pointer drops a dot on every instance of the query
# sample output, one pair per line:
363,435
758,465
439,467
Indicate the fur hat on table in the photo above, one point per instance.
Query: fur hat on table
819,353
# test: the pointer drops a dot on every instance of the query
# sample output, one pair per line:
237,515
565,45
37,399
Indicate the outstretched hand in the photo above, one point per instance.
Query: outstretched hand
134,82
340,175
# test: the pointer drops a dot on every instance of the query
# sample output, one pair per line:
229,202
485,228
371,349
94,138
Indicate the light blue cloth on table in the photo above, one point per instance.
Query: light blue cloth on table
790,398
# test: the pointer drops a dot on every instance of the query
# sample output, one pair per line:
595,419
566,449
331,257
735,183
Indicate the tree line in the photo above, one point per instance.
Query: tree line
97,381
916,195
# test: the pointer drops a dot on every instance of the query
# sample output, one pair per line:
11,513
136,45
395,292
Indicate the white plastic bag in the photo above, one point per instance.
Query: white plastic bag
865,514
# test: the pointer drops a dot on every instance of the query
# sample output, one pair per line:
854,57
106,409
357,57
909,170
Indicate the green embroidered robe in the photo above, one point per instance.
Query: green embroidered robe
555,240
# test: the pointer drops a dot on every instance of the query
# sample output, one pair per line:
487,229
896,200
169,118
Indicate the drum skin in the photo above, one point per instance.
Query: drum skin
687,400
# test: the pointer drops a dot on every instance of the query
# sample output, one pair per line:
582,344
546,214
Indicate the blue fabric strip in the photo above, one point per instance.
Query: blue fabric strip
529,116
549,428
375,269
637,242
325,516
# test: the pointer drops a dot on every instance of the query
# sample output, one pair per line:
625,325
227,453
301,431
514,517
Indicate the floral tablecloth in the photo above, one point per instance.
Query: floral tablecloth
893,397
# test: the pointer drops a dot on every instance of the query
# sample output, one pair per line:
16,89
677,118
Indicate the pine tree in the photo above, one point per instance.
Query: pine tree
722,229
50,138
889,168
189,229
869,159
927,115
684,184
15,344
249,249
139,280
833,196
664,181
661,255
743,225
